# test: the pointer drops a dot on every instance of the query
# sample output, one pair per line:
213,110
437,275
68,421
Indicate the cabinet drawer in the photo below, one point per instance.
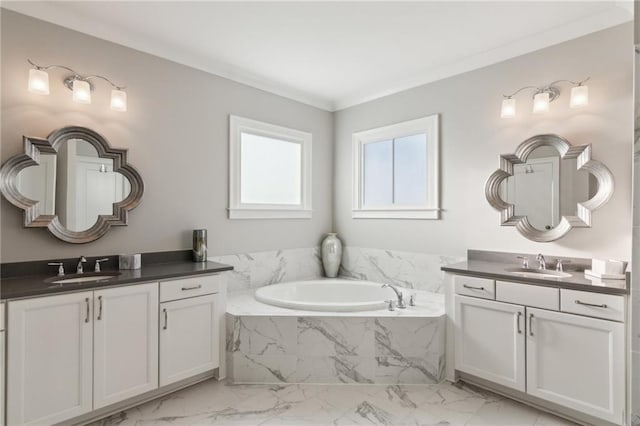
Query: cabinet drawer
528,295
606,306
189,287
476,287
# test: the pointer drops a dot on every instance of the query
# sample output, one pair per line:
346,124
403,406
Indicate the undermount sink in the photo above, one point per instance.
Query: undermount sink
537,273
83,278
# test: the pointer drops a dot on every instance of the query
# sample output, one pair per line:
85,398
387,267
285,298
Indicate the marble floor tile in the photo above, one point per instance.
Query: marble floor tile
444,404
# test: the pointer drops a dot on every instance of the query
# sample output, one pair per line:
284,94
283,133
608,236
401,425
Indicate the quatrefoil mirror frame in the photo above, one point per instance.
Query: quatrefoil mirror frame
582,154
34,218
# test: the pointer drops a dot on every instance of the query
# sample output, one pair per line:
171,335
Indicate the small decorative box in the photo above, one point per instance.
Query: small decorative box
130,261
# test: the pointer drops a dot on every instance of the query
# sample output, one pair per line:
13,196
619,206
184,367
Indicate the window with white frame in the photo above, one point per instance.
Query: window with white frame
269,171
395,171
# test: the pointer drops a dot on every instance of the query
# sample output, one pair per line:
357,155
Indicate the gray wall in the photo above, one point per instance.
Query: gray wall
176,131
473,135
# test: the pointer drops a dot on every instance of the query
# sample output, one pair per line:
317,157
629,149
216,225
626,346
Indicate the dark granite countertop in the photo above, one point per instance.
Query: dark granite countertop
37,285
577,280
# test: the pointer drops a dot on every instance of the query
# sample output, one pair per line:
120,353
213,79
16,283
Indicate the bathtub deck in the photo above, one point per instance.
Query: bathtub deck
428,304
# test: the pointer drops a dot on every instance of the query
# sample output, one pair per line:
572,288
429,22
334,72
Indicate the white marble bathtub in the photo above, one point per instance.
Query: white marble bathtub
333,295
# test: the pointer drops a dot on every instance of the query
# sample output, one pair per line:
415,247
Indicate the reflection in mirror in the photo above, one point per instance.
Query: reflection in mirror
39,183
547,187
76,184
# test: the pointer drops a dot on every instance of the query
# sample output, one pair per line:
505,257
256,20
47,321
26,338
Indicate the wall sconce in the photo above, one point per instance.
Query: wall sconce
80,85
544,95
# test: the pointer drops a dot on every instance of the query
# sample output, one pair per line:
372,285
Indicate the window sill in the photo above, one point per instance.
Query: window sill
423,214
269,214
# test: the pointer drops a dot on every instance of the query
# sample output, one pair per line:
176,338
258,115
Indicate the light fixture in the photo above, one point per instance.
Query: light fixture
80,85
579,96
38,81
544,95
508,108
81,91
541,102
118,100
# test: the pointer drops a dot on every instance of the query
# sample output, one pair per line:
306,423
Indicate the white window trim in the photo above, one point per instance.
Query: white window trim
239,210
431,210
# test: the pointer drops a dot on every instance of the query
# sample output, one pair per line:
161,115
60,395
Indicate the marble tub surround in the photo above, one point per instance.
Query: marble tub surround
221,403
493,264
269,344
405,269
253,270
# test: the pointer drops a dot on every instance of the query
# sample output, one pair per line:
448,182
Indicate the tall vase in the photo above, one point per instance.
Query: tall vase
331,255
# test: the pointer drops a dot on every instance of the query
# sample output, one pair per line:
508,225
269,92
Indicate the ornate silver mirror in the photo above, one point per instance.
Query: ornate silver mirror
548,187
72,183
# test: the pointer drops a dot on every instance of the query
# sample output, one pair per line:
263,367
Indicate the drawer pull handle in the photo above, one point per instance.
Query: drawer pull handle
166,322
195,287
530,324
518,322
472,287
86,301
578,302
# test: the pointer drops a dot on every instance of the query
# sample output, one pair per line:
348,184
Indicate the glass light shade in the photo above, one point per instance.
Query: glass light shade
541,103
81,92
508,108
38,82
579,97
119,100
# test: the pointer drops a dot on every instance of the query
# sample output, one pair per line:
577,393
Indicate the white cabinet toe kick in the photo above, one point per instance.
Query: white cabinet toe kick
560,349
78,356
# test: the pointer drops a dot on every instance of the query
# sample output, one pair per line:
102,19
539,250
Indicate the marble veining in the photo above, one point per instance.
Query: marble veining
309,349
253,270
442,404
410,270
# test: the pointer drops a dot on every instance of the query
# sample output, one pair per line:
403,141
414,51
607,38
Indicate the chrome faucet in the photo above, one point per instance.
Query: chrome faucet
399,294
79,269
542,263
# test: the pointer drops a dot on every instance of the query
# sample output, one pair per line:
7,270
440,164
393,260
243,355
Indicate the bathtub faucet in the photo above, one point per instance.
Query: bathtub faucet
401,304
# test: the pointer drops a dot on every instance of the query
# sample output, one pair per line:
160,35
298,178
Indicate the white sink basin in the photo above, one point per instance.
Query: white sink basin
537,273
77,278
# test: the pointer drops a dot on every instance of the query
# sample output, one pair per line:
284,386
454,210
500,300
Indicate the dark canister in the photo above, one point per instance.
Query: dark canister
199,245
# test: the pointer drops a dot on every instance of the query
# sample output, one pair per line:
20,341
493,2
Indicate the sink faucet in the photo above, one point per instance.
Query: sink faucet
79,269
542,263
401,304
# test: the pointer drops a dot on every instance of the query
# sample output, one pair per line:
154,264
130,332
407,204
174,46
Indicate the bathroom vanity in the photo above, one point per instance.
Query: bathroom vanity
79,351
556,341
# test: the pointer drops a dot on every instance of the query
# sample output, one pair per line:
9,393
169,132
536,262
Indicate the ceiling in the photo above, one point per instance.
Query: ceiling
333,54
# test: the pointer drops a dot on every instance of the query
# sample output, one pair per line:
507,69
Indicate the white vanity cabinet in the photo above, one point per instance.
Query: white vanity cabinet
577,362
125,343
2,359
77,352
49,359
189,328
489,341
569,359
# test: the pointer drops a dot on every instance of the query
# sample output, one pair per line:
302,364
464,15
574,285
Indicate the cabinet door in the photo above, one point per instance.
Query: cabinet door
189,340
2,378
489,340
125,343
577,362
49,359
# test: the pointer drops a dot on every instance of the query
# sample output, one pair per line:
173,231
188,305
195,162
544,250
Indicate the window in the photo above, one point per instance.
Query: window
395,171
269,171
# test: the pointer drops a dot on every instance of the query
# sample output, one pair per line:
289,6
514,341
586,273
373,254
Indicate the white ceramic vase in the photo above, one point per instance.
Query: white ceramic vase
331,255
